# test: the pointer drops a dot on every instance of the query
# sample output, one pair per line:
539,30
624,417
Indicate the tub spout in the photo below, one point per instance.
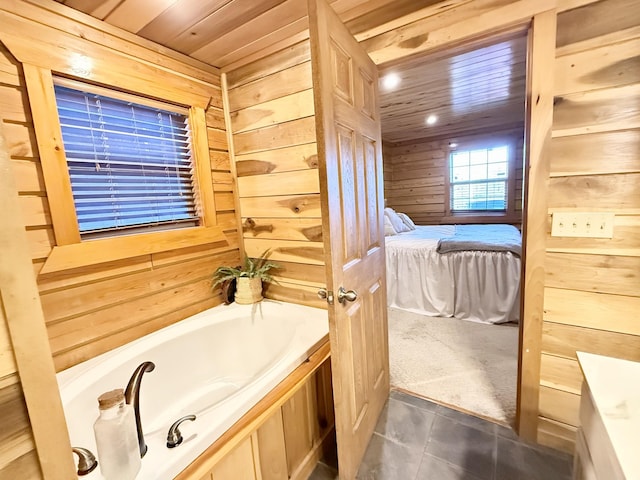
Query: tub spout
132,397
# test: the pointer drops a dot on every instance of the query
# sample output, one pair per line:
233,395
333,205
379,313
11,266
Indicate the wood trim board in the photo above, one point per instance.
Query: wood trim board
92,252
538,145
25,320
232,159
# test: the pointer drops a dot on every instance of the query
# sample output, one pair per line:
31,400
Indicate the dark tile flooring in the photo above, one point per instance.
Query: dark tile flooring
419,440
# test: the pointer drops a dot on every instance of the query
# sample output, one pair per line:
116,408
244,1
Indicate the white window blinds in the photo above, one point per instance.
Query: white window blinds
130,165
478,179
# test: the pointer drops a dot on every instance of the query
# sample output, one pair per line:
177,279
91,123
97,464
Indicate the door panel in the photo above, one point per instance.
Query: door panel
378,362
350,161
372,178
342,70
355,317
348,192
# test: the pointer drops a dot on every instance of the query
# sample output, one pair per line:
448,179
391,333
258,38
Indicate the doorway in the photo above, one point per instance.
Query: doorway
537,131
437,109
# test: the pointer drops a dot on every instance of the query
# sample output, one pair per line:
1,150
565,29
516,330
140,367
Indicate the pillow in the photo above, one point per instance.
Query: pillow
398,225
388,227
407,221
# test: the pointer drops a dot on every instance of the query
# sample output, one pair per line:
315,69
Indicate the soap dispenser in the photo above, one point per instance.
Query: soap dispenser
116,437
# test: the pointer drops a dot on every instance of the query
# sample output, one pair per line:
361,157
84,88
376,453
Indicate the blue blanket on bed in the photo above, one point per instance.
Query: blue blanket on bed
486,238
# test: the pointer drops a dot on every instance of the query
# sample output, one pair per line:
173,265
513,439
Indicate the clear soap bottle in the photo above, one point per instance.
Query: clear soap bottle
116,437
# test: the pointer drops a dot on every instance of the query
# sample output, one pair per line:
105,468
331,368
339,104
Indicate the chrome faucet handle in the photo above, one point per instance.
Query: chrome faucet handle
87,462
174,437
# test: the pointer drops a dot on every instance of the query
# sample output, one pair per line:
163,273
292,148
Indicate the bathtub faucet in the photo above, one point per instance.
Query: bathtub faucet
132,397
174,437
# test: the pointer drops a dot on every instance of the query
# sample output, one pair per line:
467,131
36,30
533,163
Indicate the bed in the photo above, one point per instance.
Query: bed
469,272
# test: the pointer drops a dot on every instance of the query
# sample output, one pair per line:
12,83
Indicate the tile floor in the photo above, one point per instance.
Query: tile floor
419,440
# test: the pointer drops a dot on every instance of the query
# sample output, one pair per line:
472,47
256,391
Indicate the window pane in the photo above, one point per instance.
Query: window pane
497,170
460,174
478,157
129,164
496,196
478,172
478,197
459,159
480,184
498,154
460,197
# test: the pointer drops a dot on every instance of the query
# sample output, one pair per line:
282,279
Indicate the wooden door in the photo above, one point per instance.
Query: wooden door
349,150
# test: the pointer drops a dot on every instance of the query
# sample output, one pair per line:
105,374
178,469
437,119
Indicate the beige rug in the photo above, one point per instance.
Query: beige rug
469,365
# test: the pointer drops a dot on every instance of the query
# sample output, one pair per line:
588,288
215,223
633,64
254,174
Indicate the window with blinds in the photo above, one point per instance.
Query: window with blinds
478,179
130,164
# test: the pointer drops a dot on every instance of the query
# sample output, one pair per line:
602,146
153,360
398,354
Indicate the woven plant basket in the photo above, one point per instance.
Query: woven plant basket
248,290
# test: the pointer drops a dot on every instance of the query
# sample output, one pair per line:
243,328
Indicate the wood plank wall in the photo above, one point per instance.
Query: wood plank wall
274,137
91,310
592,287
94,309
415,173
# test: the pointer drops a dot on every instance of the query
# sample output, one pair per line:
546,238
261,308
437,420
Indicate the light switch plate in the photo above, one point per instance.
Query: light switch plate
582,224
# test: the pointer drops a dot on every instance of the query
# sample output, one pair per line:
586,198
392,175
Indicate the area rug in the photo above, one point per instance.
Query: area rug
472,366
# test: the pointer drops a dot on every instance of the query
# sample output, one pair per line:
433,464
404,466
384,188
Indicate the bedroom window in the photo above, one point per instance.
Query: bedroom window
129,161
479,179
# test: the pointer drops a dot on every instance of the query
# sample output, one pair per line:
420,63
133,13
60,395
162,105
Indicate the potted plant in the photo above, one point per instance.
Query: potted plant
248,278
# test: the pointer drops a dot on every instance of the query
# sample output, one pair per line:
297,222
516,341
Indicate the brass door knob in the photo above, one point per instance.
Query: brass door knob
346,295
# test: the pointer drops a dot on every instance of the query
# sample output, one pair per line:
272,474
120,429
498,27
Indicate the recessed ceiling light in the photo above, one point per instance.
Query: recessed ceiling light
390,81
81,65
431,119
453,144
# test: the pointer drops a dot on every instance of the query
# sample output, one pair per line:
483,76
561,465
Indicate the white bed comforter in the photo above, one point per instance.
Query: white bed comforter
474,285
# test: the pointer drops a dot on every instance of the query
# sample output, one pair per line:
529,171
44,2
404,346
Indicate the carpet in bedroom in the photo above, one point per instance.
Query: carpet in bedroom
468,365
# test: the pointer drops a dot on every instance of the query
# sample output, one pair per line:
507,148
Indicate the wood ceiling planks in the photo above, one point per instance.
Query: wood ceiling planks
226,32
132,16
178,18
231,33
231,16
253,35
467,91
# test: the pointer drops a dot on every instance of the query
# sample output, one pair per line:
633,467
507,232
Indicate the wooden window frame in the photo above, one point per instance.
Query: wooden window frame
70,250
510,215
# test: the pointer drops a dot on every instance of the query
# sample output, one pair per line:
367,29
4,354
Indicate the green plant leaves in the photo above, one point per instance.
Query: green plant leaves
253,267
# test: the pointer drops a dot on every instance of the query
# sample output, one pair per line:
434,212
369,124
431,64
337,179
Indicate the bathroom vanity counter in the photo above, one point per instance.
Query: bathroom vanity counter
609,434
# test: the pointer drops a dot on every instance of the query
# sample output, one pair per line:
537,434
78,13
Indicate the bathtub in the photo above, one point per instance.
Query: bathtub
216,365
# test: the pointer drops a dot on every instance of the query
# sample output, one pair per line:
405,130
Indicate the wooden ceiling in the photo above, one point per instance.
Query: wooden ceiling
469,91
230,33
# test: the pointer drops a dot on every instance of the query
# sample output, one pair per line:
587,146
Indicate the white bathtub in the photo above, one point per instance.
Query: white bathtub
216,364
